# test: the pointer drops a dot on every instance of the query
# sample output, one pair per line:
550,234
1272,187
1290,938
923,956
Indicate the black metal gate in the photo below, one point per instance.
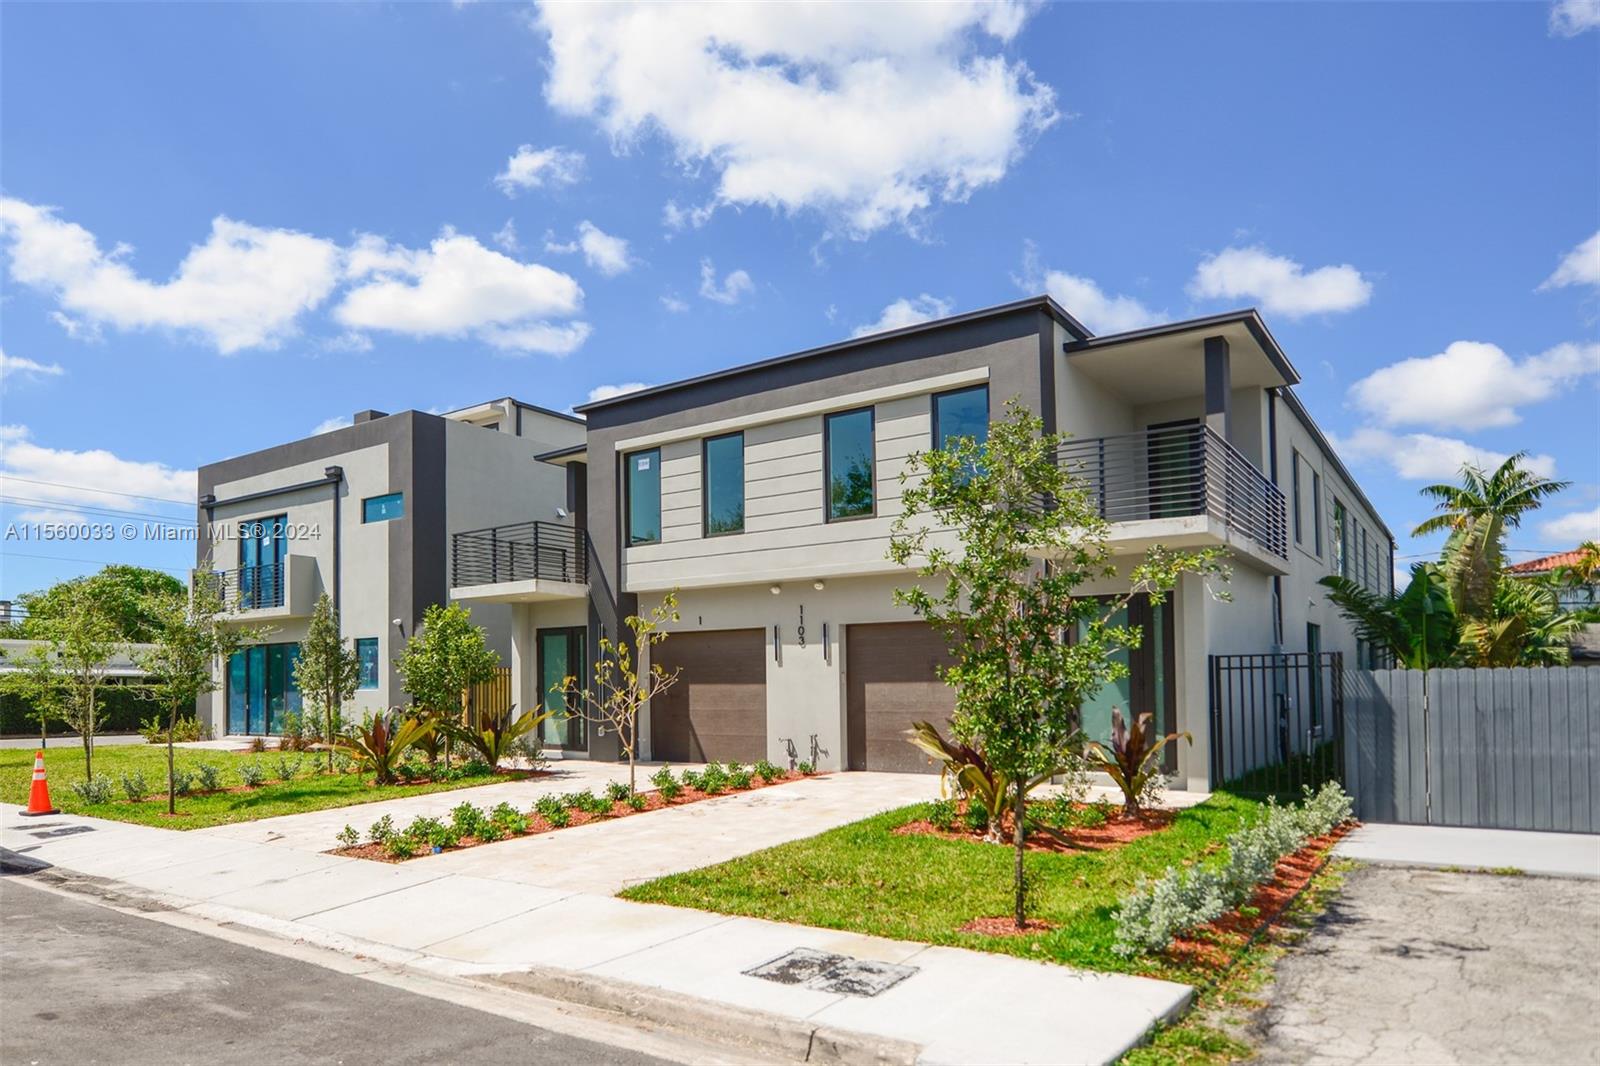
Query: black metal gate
1277,722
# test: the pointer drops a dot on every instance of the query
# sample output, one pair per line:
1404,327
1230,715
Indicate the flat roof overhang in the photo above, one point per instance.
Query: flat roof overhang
1168,362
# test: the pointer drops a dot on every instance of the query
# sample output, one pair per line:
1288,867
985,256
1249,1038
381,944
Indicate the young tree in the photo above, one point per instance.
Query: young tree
1013,537
620,690
192,641
37,684
83,639
442,660
327,671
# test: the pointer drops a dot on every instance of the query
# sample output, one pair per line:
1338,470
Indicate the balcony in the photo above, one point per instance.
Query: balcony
271,590
1182,486
522,563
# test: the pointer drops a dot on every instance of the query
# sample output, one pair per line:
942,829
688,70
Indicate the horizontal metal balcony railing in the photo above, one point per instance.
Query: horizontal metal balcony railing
1178,472
527,551
250,588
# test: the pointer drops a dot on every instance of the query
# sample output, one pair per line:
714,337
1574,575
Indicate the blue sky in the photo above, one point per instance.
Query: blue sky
226,225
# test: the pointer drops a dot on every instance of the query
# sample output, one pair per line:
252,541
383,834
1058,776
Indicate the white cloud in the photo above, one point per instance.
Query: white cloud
606,392
245,287
733,286
12,366
906,312
1568,18
1471,385
605,253
869,115
533,168
459,288
328,425
86,478
506,237
1278,284
1581,266
1425,457
673,304
1573,528
1083,298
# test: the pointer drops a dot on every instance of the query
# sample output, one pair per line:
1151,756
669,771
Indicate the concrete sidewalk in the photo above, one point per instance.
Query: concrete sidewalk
427,916
1549,854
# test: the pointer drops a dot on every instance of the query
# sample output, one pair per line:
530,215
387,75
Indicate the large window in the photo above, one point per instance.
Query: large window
383,508
262,546
643,492
1316,512
367,656
1341,539
723,463
848,460
962,413
261,688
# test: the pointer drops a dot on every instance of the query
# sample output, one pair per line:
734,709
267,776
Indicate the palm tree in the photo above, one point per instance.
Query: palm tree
1477,514
1418,627
1584,572
1527,628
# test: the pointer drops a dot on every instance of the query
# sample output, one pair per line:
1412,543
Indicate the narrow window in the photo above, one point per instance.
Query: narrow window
1294,477
1316,512
723,463
1366,570
644,497
1341,539
848,458
961,413
367,655
383,508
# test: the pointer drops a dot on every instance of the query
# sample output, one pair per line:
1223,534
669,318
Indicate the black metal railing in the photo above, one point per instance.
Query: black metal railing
544,551
1176,472
250,588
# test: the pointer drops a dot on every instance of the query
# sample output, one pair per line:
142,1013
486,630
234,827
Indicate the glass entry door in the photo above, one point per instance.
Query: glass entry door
1148,684
262,546
1176,469
561,655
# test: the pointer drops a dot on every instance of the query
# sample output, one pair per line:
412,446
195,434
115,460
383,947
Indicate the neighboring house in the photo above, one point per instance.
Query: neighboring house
764,495
1585,643
366,514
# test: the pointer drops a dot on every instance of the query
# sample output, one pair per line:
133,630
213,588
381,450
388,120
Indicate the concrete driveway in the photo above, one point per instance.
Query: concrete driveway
1429,966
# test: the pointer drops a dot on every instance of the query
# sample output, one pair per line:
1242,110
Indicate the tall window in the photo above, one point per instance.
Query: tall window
644,496
262,546
385,508
1366,570
1341,539
848,458
367,656
723,463
1294,478
1316,512
962,413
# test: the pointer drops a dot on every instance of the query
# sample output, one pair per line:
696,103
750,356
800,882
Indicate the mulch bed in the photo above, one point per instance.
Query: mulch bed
537,823
1216,944
1119,829
1007,926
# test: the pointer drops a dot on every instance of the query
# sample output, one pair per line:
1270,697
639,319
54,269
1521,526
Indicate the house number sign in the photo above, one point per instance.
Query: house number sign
800,631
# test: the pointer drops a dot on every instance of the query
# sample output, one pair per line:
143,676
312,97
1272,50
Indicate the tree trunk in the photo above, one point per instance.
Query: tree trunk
172,727
327,734
1017,841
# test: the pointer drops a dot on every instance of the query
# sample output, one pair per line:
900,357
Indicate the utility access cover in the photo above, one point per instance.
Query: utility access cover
827,972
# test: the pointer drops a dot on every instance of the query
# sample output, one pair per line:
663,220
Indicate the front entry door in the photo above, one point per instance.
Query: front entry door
1147,686
561,655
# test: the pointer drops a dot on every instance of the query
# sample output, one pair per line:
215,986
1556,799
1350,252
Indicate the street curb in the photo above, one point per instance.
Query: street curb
760,1032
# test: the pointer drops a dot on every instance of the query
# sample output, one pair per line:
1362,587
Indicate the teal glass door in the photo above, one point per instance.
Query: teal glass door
561,656
1148,684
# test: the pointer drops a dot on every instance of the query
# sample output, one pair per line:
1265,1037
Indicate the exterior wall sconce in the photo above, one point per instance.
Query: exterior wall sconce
819,584
776,589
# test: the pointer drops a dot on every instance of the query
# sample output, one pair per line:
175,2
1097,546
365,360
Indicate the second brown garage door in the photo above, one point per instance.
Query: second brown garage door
890,681
718,707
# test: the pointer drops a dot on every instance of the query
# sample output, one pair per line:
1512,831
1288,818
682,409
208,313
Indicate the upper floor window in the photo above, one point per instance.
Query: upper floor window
367,657
847,456
1294,485
262,541
961,413
383,508
643,488
723,463
1316,512
1341,539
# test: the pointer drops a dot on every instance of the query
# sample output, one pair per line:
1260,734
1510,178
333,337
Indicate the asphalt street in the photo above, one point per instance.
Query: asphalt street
81,984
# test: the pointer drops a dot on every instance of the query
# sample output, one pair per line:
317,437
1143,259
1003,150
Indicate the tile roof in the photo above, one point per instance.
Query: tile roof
1546,564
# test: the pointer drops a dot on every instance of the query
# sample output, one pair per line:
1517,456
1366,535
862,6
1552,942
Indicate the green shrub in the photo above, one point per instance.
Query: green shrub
666,784
942,814
976,818
134,786
401,847
508,819
432,832
547,807
617,791
411,770
209,775
182,781
693,779
768,772
252,773
714,780
468,821
559,818
636,801
348,837
97,789
154,730
287,768
381,831
807,768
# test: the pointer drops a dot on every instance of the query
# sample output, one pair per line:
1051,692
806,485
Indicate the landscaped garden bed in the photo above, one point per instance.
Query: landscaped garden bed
469,826
1058,826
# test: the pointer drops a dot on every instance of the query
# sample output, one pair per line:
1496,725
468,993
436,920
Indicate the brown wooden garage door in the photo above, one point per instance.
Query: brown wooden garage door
890,682
718,707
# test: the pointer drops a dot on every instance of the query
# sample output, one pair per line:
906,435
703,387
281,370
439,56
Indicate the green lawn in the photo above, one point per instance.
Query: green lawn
307,792
864,878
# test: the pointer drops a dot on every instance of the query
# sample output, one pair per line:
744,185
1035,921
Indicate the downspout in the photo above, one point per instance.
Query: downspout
335,476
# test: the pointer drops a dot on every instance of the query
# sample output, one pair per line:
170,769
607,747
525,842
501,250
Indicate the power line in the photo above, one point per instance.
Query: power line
101,562
23,501
90,488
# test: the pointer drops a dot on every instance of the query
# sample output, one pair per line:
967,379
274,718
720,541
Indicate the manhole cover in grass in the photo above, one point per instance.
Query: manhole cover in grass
827,972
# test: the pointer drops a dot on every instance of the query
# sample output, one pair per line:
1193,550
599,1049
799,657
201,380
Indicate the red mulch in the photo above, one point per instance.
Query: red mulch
537,823
1118,830
1007,926
1213,946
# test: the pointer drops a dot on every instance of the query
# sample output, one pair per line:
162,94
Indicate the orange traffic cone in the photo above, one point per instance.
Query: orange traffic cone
39,794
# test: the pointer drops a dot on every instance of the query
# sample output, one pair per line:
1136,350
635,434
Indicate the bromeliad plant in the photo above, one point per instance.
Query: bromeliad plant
1133,759
379,743
497,738
965,771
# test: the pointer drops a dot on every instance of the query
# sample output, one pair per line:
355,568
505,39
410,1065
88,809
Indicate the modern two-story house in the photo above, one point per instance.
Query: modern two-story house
764,494
365,514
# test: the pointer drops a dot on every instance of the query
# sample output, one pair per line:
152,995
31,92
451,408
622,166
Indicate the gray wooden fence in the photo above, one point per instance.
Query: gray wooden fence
1507,748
